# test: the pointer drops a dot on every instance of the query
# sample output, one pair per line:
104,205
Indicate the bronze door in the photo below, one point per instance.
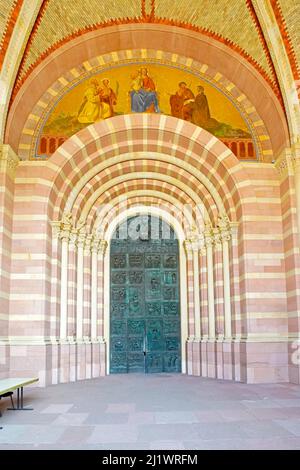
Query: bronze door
144,298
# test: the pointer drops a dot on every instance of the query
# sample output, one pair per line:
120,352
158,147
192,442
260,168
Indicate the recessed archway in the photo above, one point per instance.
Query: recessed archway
156,161
181,236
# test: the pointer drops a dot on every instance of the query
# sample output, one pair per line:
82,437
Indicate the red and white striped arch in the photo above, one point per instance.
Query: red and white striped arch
165,149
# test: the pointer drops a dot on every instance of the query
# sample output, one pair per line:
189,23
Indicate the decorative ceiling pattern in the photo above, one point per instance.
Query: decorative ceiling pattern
287,13
59,19
231,20
233,23
9,10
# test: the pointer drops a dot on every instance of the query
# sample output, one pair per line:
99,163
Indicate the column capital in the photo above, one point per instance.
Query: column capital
61,229
224,228
99,245
64,235
288,162
225,236
95,244
81,233
208,234
8,159
73,238
217,236
193,245
102,247
203,251
88,243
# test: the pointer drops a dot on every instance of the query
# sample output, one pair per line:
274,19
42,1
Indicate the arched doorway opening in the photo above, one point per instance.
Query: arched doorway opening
145,333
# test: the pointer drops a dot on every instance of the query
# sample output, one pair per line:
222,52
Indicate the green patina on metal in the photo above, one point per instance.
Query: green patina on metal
144,297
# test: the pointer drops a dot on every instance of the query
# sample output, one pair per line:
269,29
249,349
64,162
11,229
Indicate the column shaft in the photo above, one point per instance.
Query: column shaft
87,288
227,298
79,298
94,295
190,294
64,289
100,280
197,295
210,289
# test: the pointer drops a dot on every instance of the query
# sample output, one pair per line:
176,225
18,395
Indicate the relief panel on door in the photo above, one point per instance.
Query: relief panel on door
144,301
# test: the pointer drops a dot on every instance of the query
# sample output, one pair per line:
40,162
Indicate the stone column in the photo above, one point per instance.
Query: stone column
80,346
79,298
87,346
219,302
64,236
218,285
101,253
100,323
8,166
190,289
192,246
227,350
294,323
94,289
64,349
203,291
211,343
191,305
72,285
87,288
209,240
72,292
237,328
197,293
225,237
204,310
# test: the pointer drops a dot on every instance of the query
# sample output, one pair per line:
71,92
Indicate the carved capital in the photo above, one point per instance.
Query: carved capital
73,238
188,246
67,219
8,159
203,251
88,244
64,234
81,233
217,236
81,239
288,162
224,228
194,240
223,221
208,234
81,225
102,247
62,229
225,236
95,244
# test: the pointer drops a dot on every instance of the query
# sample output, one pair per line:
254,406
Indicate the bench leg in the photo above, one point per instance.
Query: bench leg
20,402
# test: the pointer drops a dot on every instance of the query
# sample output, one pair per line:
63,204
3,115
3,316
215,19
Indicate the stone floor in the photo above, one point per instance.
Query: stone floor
155,412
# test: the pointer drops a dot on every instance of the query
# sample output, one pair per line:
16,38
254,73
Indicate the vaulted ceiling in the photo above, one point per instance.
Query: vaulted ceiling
231,22
234,23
